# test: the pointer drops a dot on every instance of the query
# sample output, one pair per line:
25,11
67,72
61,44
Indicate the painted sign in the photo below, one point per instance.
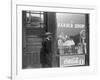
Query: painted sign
67,25
74,60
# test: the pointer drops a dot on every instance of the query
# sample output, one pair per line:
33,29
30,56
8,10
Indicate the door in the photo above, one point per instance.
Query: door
32,32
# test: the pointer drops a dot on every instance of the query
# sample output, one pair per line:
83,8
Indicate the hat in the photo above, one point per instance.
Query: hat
48,33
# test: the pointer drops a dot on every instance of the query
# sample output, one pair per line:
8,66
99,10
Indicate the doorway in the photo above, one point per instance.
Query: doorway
34,26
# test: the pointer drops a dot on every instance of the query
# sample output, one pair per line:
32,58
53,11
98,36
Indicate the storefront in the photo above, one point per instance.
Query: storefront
70,38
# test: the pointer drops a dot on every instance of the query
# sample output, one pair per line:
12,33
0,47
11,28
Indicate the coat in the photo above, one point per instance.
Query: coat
46,52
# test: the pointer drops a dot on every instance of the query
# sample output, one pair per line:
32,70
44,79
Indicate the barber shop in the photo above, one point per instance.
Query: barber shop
54,39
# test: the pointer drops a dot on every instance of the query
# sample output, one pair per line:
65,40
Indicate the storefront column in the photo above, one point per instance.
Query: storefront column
51,27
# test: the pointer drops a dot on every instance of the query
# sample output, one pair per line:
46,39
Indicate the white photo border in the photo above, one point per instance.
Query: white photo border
16,69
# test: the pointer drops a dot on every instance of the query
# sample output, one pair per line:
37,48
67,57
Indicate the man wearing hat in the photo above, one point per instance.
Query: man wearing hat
46,51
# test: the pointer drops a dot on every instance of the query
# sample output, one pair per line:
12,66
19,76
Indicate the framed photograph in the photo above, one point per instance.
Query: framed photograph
52,40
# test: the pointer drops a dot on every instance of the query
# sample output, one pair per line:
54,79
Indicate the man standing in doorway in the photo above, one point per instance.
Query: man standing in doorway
46,51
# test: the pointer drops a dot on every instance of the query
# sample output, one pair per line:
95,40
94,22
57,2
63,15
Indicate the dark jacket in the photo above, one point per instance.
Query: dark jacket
45,53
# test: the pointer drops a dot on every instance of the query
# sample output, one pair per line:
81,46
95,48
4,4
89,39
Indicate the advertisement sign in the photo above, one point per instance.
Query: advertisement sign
74,60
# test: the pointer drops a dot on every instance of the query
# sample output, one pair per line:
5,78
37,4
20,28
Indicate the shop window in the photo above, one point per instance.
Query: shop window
72,37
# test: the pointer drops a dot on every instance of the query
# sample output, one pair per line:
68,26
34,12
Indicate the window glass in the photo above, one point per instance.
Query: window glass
72,38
